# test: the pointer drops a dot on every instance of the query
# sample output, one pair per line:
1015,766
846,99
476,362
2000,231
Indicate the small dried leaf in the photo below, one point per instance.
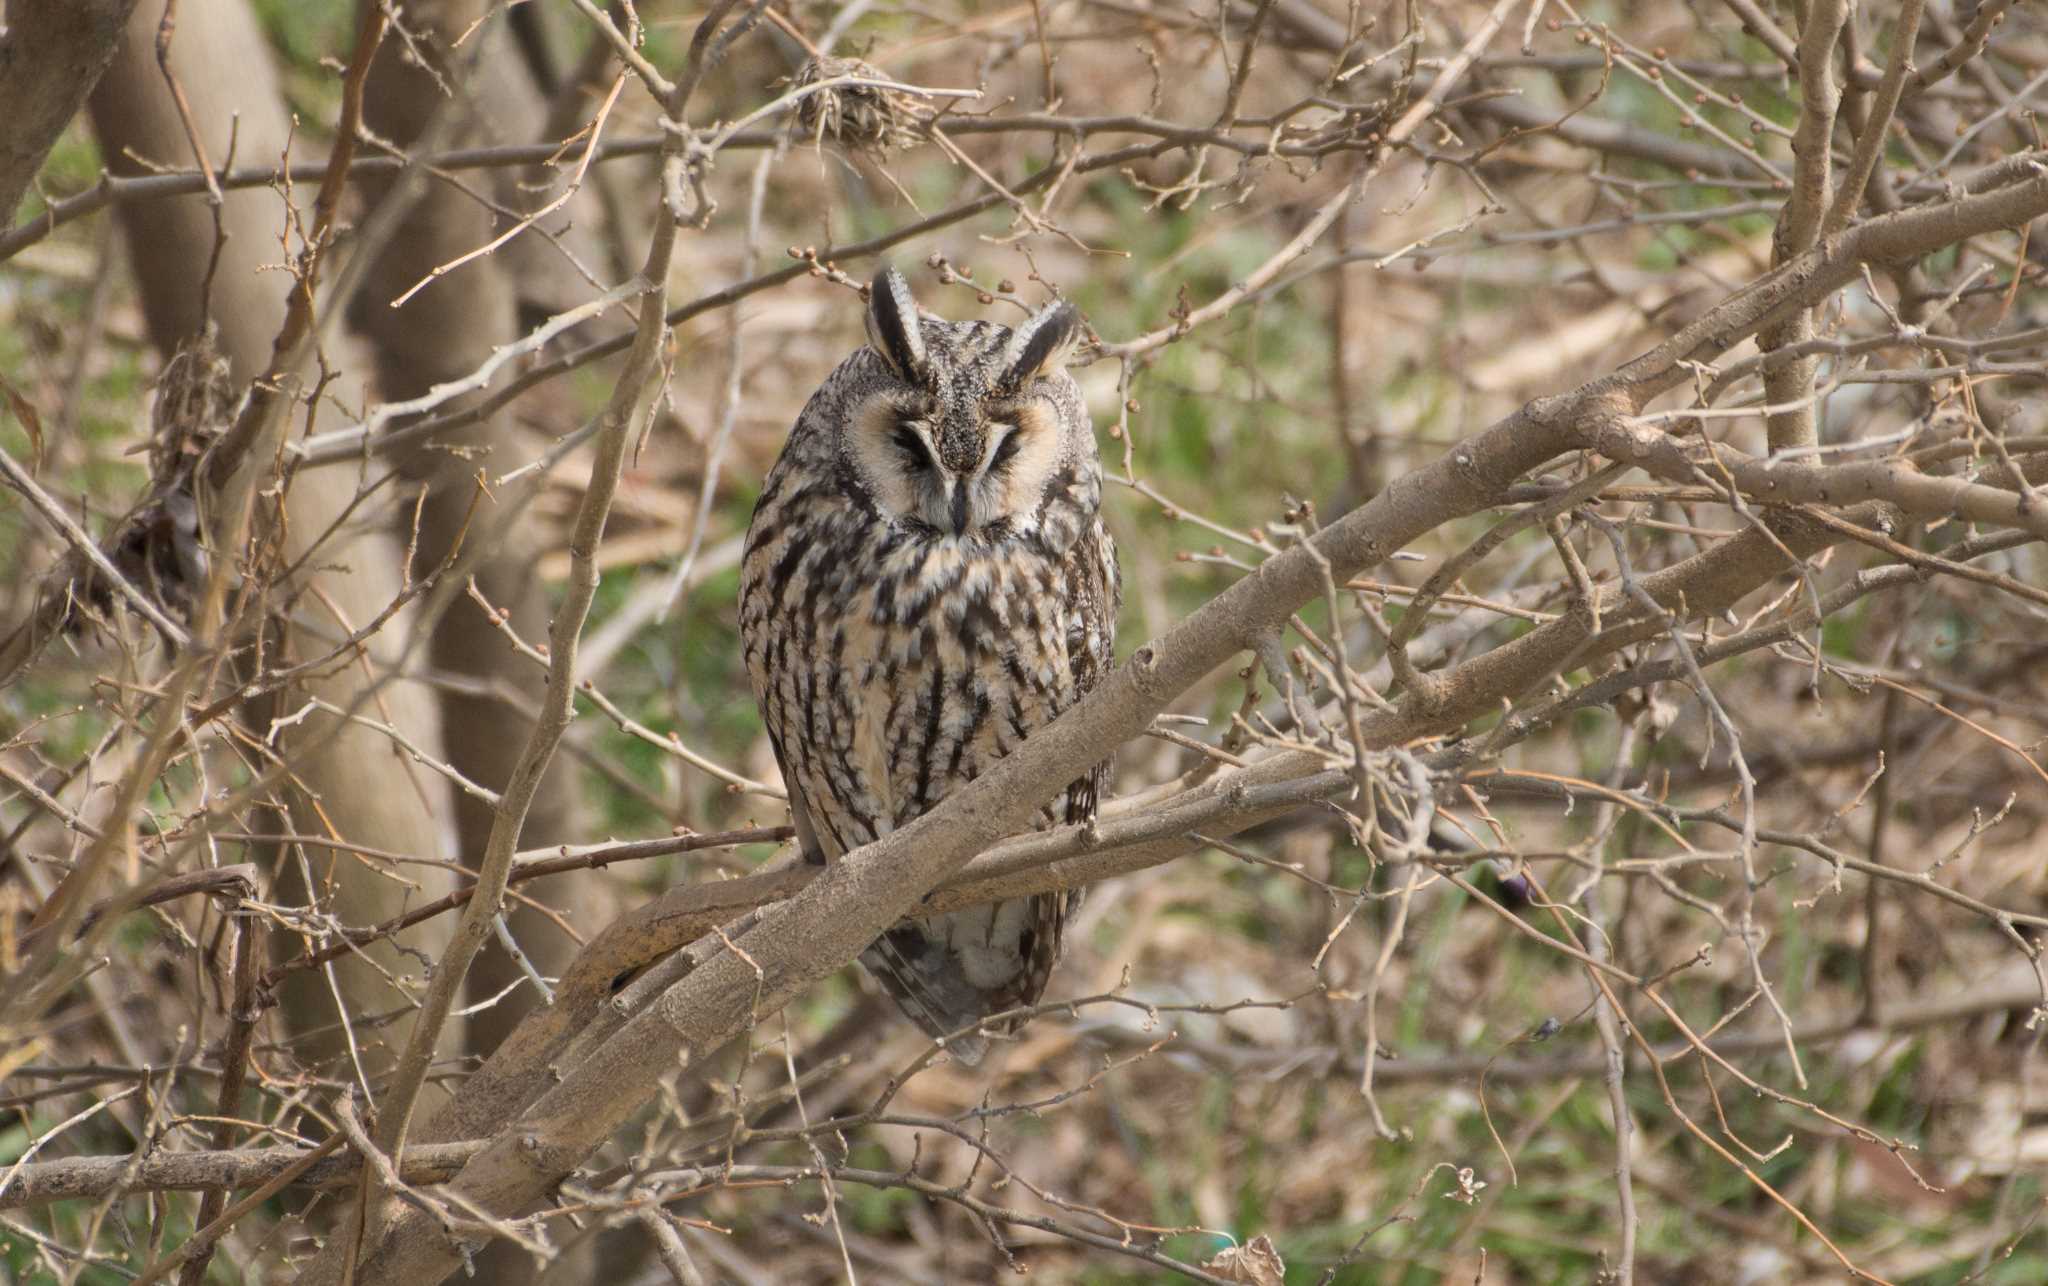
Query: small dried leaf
1255,1263
25,411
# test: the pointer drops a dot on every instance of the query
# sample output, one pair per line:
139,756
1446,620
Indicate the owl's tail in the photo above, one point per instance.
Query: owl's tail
950,971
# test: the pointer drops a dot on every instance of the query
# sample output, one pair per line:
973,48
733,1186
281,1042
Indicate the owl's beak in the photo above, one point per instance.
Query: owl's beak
961,489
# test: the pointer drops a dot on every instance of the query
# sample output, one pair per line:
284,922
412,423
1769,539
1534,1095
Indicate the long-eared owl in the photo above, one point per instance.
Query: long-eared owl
927,580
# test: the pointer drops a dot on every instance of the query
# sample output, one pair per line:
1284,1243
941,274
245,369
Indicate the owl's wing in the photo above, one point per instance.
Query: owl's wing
800,817
1095,594
799,807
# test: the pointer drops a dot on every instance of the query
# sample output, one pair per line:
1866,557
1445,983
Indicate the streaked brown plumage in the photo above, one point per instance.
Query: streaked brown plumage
927,580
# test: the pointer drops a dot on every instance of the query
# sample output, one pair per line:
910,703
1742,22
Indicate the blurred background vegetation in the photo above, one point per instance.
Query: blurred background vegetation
1486,265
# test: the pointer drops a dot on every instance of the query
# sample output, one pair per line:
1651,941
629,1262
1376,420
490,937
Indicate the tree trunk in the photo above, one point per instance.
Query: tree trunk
349,782
52,53
441,333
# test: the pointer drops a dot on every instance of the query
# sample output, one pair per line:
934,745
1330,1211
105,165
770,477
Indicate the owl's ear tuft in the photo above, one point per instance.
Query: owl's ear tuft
1042,345
893,329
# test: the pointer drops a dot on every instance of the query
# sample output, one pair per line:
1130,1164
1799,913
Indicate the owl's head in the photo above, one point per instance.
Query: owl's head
968,426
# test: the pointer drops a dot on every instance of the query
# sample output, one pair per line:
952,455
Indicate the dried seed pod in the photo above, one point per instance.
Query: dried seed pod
865,118
159,546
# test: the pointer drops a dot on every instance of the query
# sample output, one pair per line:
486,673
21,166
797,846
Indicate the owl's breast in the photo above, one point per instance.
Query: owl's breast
894,663
959,652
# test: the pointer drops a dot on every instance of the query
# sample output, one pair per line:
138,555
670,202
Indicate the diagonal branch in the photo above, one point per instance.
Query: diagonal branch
51,55
844,908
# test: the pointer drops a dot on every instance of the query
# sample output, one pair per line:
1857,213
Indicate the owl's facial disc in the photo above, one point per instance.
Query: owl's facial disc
962,438
996,472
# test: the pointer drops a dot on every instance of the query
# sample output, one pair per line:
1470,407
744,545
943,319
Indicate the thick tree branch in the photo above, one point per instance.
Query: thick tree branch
51,55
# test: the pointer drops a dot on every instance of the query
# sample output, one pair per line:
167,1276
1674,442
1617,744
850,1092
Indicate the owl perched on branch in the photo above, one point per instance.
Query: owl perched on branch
927,581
